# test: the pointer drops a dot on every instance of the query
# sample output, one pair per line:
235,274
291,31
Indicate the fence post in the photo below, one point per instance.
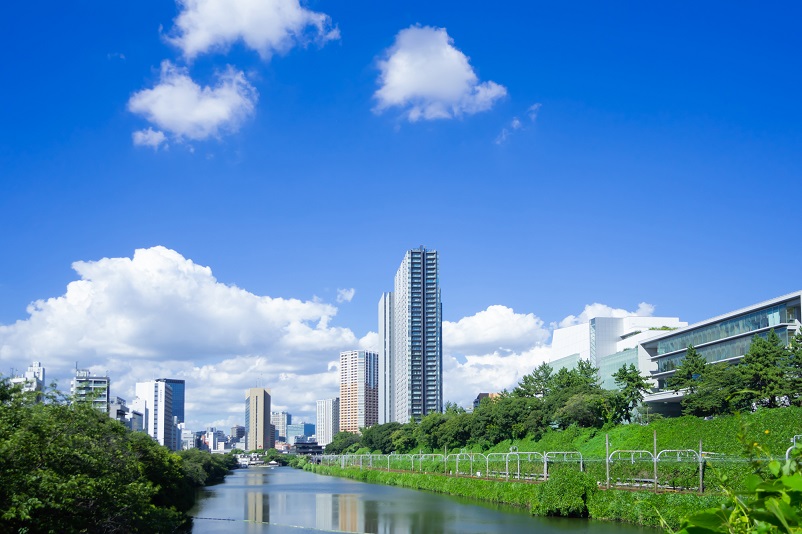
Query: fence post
701,469
545,467
607,457
655,461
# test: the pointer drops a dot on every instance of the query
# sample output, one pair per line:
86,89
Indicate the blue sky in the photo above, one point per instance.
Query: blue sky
556,155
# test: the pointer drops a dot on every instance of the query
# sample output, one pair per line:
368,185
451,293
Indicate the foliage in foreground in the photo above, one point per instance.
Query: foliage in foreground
772,502
70,468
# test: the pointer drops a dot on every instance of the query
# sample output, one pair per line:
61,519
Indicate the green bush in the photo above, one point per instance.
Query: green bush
565,493
647,508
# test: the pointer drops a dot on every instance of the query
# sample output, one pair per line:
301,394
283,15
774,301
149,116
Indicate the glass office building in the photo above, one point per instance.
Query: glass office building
725,338
179,395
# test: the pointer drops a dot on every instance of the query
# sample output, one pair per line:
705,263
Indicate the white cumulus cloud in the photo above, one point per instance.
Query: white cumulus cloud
150,137
159,314
427,76
183,108
345,295
496,328
488,373
493,349
266,26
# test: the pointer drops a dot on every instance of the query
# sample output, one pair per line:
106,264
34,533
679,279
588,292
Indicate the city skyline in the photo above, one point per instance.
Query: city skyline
223,205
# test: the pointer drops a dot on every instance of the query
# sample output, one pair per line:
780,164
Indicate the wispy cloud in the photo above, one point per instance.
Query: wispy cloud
516,124
150,138
345,295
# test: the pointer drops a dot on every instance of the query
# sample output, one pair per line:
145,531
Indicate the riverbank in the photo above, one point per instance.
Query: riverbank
567,493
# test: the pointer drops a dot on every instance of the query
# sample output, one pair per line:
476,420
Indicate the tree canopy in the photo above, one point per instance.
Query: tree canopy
69,468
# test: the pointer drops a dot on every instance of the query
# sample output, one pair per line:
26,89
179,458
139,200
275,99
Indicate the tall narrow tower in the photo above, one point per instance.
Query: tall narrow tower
259,432
410,331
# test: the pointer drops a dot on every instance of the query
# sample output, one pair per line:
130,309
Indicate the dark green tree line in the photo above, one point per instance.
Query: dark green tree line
69,468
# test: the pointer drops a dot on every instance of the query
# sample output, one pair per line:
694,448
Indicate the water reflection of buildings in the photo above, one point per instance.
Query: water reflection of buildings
346,513
257,504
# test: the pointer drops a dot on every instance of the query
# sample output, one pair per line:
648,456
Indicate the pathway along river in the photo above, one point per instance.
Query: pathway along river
286,500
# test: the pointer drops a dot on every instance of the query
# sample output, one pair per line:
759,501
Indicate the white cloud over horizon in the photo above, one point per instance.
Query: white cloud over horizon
424,74
181,107
267,26
159,314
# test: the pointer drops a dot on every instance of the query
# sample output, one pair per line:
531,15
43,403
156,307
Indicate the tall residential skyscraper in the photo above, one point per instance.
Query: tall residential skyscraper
156,399
258,430
179,396
386,399
359,389
410,337
280,420
327,421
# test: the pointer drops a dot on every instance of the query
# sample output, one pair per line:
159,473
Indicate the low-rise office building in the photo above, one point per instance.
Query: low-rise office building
725,338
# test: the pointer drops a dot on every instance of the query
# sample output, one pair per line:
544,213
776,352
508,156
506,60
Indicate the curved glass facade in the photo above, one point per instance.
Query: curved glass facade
725,350
750,322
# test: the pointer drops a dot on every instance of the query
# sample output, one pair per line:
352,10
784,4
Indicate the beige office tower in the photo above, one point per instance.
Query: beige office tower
359,390
259,433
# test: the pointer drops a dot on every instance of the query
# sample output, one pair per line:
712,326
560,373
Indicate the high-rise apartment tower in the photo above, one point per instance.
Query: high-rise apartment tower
359,390
410,337
328,420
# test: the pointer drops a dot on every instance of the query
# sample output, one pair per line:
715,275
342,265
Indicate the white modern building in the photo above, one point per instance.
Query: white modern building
410,337
725,338
33,379
359,390
86,387
608,343
327,422
280,420
154,400
386,390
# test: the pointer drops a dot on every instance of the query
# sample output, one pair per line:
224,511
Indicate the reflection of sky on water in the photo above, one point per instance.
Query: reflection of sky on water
285,500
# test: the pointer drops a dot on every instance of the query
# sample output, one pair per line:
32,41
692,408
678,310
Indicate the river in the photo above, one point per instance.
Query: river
291,501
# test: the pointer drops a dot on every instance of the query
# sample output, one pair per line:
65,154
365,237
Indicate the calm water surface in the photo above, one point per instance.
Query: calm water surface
286,500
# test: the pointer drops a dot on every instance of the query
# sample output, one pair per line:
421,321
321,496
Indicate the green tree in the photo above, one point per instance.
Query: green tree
632,386
427,432
689,373
715,392
379,437
342,441
404,439
589,409
762,373
70,468
793,370
456,431
535,384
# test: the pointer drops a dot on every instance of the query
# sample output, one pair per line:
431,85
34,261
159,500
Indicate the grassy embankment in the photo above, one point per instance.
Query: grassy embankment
571,493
